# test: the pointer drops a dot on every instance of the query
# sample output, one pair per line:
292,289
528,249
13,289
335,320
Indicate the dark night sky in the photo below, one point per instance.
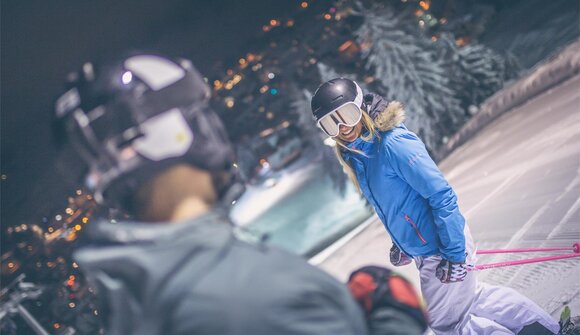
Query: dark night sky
42,41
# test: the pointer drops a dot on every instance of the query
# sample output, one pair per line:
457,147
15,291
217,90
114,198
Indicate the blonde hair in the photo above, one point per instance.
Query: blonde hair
341,146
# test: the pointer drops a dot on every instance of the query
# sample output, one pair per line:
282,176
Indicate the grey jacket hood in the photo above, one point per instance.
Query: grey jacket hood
133,266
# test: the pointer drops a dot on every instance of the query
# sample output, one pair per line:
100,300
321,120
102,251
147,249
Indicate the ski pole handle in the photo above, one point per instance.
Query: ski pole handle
524,261
575,248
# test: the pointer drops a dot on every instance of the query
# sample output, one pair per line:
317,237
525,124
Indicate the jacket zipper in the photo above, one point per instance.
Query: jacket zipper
416,229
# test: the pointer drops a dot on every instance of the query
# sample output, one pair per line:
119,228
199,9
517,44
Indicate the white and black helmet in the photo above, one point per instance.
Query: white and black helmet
337,101
333,94
131,118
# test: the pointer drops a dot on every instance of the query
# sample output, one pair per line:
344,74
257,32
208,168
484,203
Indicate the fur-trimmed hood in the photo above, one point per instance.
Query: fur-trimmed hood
385,114
390,117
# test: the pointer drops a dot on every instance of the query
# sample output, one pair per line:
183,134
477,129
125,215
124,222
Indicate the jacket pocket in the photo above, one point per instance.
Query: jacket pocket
414,226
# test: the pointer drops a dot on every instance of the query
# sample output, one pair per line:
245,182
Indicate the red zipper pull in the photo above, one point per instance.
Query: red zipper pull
416,229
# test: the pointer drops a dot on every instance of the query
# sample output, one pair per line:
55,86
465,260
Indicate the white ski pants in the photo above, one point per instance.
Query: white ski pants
470,307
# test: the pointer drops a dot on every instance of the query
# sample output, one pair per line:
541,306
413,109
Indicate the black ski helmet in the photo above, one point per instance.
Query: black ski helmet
131,118
333,94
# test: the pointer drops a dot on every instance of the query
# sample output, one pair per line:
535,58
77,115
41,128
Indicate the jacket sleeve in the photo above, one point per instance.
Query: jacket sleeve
409,158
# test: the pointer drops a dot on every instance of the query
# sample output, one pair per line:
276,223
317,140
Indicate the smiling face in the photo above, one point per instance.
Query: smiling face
349,134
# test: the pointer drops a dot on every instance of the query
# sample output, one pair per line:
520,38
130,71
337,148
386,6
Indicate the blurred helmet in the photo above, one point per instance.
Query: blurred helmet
337,101
134,117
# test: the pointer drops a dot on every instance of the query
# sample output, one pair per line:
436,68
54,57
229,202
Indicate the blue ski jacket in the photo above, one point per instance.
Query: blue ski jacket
413,200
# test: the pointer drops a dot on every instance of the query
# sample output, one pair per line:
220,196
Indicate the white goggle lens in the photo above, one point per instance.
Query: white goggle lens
348,115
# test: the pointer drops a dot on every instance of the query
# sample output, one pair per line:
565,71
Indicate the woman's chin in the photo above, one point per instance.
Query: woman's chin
352,136
349,138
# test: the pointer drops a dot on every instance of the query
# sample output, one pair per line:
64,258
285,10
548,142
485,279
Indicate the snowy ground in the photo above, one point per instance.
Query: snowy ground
518,182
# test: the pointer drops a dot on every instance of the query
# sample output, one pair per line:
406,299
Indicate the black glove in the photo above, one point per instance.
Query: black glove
375,104
450,272
399,258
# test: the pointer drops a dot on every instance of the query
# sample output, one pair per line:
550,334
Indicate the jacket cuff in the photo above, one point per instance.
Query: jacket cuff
460,258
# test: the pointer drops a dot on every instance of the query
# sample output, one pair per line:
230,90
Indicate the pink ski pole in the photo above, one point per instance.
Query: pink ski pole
524,261
575,247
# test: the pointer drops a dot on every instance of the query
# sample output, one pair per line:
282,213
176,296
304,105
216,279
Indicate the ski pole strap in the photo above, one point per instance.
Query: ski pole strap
524,261
575,248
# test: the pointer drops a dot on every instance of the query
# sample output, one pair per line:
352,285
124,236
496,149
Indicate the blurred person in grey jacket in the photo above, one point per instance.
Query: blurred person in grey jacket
155,150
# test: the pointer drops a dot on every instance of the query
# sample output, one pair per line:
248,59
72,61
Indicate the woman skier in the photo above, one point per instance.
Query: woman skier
392,168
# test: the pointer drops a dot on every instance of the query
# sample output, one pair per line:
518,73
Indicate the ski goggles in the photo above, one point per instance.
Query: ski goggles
348,114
